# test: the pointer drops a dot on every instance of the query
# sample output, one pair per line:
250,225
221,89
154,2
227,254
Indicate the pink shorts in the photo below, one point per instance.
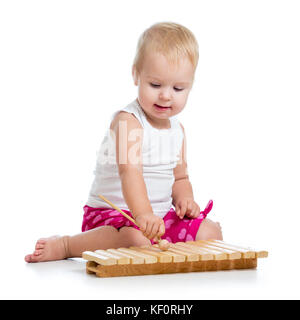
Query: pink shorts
176,229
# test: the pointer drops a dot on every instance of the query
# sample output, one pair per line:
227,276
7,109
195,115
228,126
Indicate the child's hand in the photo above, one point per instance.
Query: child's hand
188,207
151,225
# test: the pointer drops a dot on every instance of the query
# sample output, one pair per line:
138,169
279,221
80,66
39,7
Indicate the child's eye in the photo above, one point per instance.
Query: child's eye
154,85
178,89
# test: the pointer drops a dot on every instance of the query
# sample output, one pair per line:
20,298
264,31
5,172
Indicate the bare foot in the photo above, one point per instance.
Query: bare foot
49,249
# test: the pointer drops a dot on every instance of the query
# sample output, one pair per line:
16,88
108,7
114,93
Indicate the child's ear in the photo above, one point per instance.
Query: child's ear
135,75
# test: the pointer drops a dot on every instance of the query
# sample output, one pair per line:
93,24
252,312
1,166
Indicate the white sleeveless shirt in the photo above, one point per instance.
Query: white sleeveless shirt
160,154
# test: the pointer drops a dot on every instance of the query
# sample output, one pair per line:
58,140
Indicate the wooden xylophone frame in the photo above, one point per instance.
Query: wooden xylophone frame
191,256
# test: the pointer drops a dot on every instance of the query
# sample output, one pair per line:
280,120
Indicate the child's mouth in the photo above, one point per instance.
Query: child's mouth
157,106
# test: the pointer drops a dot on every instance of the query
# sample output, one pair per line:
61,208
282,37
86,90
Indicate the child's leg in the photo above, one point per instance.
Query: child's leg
58,248
133,237
209,230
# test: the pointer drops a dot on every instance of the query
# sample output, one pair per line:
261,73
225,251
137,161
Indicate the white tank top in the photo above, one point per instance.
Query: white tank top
160,154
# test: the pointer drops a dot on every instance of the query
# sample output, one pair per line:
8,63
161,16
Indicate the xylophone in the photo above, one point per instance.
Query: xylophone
210,255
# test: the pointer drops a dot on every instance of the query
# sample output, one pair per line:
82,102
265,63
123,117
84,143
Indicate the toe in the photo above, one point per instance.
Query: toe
37,252
39,245
30,258
33,258
41,241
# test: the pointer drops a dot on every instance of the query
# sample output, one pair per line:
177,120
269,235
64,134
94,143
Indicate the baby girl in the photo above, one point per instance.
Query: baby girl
141,165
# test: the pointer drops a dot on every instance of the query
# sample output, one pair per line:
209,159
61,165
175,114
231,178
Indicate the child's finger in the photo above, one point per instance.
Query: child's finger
161,230
195,211
143,226
177,209
189,207
155,239
194,214
191,211
148,230
151,232
183,210
154,231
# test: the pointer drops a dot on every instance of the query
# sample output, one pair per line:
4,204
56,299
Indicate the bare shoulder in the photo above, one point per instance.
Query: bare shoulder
123,116
128,134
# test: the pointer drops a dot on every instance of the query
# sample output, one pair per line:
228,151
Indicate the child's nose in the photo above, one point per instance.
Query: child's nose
165,94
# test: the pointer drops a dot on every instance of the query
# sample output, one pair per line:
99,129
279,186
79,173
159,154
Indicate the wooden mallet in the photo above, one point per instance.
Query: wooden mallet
163,244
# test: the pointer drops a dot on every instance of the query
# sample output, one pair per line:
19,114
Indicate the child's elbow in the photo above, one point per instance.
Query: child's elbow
126,170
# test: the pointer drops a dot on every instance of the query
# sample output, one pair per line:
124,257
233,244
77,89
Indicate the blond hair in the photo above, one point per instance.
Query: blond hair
172,40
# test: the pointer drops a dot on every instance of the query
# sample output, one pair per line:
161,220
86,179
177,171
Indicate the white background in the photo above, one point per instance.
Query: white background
65,67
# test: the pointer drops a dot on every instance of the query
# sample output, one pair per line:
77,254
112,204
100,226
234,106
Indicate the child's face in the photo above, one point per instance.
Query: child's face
163,87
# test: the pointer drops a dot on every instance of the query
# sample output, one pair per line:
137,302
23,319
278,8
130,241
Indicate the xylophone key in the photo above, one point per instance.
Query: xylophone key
190,256
120,260
245,252
258,253
203,254
100,259
217,255
261,254
133,259
231,254
175,256
162,258
147,258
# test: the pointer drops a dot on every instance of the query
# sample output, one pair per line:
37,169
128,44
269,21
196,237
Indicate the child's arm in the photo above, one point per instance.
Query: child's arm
129,137
182,192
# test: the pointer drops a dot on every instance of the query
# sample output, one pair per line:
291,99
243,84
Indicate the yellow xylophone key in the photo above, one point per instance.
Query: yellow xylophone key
147,258
230,255
133,259
100,259
258,253
120,260
217,255
245,252
175,256
203,254
261,254
162,258
190,256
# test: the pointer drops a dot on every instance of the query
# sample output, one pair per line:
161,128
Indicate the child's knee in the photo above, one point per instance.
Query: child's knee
209,230
132,237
